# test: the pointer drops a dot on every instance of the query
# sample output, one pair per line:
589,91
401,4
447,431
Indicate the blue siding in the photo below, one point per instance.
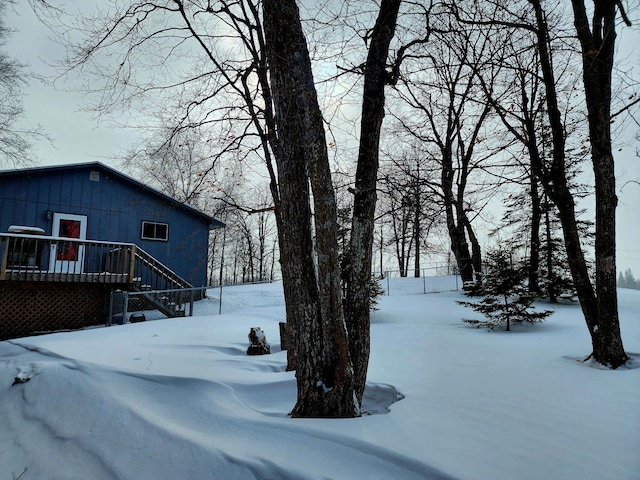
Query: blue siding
115,208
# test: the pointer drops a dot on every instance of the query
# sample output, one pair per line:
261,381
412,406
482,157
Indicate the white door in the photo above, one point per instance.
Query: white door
68,257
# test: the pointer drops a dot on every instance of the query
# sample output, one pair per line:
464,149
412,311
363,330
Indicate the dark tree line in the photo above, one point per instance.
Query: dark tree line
627,280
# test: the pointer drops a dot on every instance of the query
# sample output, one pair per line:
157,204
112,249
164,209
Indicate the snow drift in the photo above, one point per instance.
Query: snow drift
179,398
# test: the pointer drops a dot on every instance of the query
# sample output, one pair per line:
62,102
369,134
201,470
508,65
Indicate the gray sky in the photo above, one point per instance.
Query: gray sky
77,138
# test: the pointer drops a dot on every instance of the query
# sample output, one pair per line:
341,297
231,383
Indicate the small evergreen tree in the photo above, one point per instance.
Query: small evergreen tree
548,273
375,290
506,296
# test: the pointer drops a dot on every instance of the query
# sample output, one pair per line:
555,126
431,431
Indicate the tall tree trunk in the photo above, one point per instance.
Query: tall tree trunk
599,306
417,232
364,204
530,139
400,241
534,240
324,372
552,290
453,203
459,245
598,46
381,251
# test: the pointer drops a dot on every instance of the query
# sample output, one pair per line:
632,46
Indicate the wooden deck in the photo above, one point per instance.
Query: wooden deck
38,258
52,283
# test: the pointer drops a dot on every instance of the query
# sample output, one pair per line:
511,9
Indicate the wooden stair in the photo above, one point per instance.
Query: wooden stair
161,288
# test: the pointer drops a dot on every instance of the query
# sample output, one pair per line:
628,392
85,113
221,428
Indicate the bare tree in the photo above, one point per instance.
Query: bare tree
324,370
448,113
14,141
519,102
257,235
376,78
193,166
597,43
410,203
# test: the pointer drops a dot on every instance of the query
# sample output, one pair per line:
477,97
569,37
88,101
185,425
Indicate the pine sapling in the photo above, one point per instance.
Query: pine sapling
506,297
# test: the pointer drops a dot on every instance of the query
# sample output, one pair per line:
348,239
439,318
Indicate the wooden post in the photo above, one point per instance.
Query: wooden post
283,336
132,263
5,256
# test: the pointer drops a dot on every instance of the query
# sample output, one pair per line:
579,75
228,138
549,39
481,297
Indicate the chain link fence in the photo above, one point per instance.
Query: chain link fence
440,278
129,307
417,285
231,298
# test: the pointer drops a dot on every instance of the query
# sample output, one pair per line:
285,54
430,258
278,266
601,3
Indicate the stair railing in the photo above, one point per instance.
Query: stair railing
150,274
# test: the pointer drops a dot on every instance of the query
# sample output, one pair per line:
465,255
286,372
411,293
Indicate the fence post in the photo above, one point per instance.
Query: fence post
191,302
388,291
220,301
424,282
109,318
125,306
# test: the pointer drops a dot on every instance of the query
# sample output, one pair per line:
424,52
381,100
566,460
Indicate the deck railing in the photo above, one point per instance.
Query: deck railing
61,259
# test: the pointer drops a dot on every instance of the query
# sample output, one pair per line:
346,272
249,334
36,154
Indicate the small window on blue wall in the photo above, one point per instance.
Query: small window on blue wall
155,231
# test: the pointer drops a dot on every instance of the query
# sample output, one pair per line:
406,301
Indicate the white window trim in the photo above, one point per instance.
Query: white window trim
146,222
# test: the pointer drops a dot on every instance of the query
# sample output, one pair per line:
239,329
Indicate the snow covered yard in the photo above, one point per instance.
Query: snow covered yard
177,399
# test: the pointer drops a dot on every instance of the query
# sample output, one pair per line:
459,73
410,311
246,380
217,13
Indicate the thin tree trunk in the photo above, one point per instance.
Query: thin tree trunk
455,223
381,251
459,245
416,229
361,243
534,240
552,290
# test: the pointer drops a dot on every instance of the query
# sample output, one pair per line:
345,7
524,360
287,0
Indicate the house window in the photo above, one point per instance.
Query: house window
155,231
94,176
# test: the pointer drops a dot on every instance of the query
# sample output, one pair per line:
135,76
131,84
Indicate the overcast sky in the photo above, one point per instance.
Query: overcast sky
77,138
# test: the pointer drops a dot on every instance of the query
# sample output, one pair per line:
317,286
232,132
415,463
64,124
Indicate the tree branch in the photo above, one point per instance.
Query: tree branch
625,108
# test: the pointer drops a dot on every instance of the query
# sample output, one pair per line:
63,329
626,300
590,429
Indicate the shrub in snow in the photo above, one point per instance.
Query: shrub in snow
506,297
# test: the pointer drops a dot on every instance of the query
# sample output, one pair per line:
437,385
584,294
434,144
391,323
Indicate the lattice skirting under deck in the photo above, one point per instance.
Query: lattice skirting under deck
30,308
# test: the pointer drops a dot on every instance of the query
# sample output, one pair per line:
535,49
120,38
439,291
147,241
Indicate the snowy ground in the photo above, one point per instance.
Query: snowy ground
179,399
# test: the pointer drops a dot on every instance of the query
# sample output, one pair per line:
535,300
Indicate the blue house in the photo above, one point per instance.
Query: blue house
90,224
